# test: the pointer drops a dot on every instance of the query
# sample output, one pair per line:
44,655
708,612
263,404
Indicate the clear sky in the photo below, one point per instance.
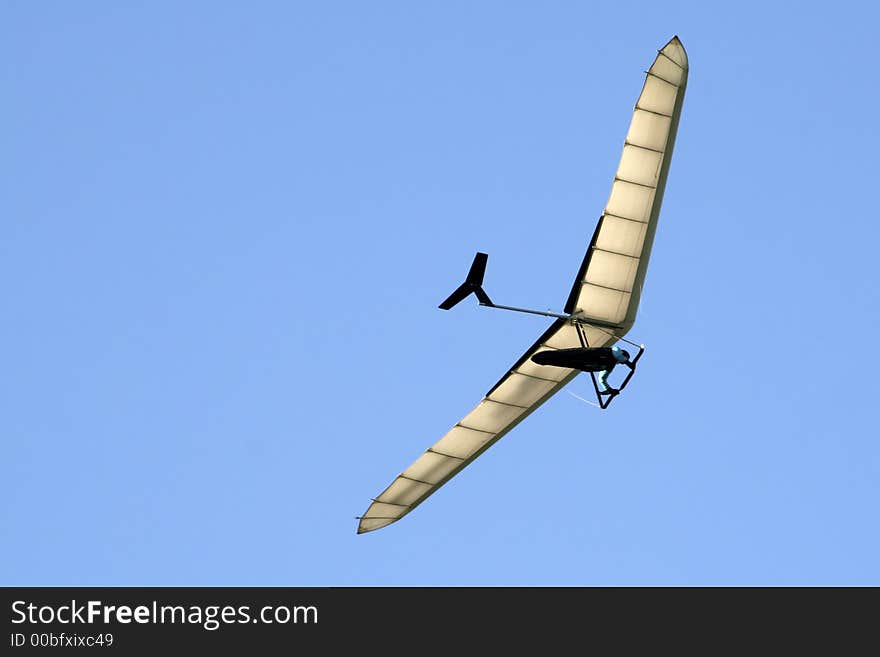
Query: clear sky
226,228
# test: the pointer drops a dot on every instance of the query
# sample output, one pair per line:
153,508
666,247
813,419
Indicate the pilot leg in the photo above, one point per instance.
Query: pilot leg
607,389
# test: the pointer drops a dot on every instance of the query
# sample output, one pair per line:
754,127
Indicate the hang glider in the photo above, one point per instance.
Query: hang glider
600,310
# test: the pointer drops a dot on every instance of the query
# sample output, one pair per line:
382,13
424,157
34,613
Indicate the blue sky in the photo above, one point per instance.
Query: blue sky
226,230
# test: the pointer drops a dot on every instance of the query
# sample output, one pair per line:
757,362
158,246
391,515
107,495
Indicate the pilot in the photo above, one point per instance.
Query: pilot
620,356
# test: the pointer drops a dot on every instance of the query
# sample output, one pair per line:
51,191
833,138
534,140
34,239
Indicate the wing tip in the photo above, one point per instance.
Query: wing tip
364,524
674,49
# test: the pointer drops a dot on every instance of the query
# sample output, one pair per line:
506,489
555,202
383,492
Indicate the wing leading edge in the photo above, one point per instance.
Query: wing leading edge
607,289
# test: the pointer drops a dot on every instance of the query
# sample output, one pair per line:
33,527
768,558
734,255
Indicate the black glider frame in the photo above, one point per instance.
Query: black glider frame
605,398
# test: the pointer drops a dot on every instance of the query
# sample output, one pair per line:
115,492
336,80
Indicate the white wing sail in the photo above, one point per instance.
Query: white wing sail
606,290
614,267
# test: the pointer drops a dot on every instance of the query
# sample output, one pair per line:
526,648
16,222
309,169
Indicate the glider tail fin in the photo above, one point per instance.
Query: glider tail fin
473,284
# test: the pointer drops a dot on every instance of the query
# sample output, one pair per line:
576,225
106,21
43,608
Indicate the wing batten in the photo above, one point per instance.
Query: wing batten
449,456
606,291
646,148
618,253
662,79
462,426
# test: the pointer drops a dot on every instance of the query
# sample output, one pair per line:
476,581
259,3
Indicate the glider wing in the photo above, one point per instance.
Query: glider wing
606,290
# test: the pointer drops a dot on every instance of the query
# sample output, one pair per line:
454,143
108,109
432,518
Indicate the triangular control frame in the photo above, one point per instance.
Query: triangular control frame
605,398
